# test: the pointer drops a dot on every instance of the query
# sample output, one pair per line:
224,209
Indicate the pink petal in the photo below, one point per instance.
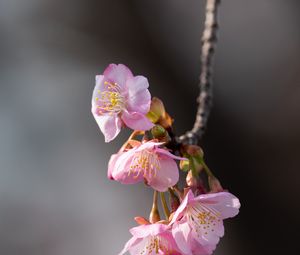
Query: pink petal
181,232
169,154
111,165
151,229
139,98
140,246
131,243
169,245
224,202
99,80
180,210
208,235
167,176
118,73
110,126
121,171
186,242
200,249
136,121
149,145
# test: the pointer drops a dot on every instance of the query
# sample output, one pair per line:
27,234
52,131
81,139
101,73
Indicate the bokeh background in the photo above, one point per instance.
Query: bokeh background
55,198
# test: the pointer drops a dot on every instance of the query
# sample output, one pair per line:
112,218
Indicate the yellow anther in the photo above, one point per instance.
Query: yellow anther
111,100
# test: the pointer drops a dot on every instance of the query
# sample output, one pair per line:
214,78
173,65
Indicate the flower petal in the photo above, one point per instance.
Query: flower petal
178,214
149,145
169,154
139,98
118,73
200,249
168,245
165,177
136,121
95,96
111,165
131,243
180,232
151,229
121,171
208,235
110,126
224,202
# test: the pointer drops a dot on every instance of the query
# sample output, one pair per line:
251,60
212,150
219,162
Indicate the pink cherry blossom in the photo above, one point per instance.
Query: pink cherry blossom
197,224
151,239
119,98
148,162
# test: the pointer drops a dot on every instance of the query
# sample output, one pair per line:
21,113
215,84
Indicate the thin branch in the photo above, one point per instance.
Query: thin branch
209,39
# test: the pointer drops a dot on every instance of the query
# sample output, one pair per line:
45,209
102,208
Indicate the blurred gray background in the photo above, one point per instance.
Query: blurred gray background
55,198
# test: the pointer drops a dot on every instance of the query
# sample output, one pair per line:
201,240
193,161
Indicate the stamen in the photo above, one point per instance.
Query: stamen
156,244
145,162
111,100
203,218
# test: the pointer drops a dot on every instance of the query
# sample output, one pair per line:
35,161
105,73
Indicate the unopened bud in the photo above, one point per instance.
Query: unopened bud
158,131
194,150
184,165
214,184
157,110
166,121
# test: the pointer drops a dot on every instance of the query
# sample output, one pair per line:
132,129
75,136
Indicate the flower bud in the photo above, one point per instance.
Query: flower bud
157,110
194,150
158,132
166,121
184,165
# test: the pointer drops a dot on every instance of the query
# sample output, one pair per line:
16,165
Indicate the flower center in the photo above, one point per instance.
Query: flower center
204,219
145,162
111,100
156,245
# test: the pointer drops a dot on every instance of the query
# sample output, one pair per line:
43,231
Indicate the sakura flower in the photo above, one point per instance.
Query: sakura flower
119,98
198,221
146,161
151,239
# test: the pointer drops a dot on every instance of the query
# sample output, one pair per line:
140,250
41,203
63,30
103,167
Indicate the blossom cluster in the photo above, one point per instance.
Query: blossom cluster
193,224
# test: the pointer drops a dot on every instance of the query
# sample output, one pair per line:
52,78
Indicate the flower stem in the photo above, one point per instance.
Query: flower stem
207,170
154,214
155,198
178,191
164,204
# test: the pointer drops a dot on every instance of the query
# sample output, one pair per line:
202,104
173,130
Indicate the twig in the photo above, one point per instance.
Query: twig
209,39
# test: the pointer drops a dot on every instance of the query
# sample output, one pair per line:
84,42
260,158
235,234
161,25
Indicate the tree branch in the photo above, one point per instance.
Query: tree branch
209,39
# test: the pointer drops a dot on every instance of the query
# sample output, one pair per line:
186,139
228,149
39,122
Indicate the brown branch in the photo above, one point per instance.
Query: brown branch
209,39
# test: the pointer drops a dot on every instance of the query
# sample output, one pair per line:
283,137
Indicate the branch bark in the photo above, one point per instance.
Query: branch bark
209,40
